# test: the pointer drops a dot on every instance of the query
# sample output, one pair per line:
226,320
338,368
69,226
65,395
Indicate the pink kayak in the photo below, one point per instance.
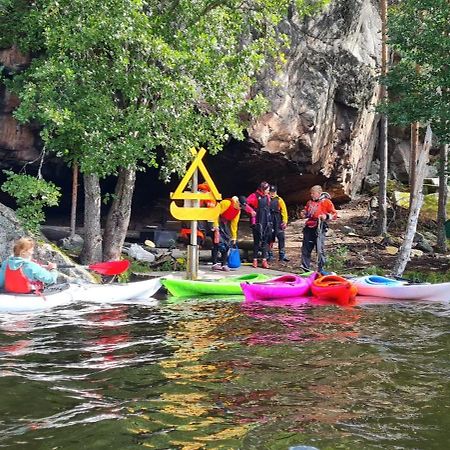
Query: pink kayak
286,286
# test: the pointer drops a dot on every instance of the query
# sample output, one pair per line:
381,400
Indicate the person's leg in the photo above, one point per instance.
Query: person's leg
224,247
270,253
281,246
256,230
215,253
265,247
309,241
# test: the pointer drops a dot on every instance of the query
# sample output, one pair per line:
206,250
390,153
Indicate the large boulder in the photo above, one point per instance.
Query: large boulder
10,230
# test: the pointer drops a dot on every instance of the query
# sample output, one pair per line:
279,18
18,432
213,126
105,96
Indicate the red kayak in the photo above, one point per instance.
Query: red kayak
333,288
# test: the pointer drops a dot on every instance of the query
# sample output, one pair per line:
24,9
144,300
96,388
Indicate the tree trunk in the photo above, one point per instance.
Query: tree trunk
73,209
92,247
414,142
442,203
415,205
383,146
119,215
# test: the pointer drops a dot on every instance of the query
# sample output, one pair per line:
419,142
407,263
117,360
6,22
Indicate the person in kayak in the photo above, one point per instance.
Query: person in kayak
279,215
20,275
261,224
225,229
317,212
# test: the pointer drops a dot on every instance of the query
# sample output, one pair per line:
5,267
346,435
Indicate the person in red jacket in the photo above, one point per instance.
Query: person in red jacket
317,212
262,226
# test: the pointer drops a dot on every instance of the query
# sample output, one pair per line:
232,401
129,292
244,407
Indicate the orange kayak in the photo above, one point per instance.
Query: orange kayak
334,288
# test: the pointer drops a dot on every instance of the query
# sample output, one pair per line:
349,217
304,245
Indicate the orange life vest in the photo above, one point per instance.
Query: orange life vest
18,283
231,212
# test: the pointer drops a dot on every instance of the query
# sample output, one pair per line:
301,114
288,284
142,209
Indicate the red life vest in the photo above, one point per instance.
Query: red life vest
18,283
231,212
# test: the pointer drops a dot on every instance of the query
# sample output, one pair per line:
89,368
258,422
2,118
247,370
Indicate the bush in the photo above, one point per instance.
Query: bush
32,195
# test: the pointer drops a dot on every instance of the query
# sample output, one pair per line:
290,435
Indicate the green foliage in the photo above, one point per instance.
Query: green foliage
336,262
117,82
427,277
391,187
32,195
172,265
419,84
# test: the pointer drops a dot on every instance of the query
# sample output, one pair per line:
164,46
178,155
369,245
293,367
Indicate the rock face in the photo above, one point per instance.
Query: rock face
322,117
321,128
17,142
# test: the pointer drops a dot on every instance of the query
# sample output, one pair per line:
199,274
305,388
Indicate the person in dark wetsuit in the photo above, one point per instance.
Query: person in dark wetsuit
279,214
262,223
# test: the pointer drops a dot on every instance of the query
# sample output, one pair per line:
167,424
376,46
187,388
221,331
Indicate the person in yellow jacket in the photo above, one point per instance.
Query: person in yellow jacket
225,229
279,215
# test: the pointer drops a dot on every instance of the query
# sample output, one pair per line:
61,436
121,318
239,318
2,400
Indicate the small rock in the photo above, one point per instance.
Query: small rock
391,250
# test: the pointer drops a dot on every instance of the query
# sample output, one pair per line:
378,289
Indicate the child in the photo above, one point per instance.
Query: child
318,211
21,275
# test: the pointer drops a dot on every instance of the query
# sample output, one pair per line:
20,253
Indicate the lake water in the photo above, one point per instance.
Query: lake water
223,375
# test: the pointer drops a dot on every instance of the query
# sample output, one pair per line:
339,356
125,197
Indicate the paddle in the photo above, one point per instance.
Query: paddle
103,268
320,242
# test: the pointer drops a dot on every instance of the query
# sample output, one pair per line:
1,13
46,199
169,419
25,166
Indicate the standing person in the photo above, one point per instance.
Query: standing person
279,214
318,211
261,223
21,275
226,229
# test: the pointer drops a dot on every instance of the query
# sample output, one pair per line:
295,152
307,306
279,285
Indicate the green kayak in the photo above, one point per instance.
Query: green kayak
222,286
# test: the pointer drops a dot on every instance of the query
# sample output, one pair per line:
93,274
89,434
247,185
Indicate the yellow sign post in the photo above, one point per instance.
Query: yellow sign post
195,213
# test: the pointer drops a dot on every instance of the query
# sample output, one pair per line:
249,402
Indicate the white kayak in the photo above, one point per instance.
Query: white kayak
71,292
382,287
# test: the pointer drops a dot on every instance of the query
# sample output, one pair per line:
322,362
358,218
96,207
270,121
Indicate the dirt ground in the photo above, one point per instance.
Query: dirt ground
353,246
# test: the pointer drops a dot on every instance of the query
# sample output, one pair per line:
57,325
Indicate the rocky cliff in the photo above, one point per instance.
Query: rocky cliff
321,127
322,116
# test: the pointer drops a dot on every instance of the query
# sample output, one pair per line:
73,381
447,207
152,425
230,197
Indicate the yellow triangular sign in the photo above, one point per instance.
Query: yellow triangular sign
197,163
196,213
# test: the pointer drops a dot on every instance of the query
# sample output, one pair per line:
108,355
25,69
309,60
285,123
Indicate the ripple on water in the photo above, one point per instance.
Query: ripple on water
226,375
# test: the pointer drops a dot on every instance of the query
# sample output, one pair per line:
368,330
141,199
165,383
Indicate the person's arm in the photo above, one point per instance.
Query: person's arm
252,201
249,210
2,274
304,213
35,272
284,213
331,213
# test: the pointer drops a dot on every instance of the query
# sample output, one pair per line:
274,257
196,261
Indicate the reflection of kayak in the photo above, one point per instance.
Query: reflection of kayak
224,286
286,286
382,287
333,288
68,293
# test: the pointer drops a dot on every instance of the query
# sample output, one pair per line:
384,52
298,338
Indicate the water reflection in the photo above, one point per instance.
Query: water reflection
298,324
187,403
199,375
